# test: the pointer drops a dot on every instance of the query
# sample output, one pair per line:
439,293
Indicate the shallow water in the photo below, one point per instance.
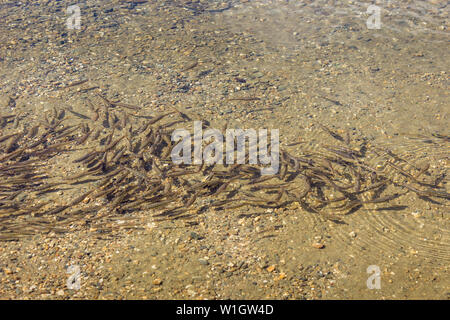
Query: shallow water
299,64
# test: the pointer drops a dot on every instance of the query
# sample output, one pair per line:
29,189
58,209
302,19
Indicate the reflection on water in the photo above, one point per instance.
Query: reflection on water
291,22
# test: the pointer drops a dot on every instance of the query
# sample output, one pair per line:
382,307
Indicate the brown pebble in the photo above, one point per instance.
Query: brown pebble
157,282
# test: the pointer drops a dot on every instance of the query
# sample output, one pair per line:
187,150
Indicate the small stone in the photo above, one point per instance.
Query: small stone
352,234
191,292
157,282
60,292
318,245
258,74
416,214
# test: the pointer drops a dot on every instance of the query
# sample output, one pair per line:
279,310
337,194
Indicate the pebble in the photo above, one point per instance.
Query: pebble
271,268
195,236
318,245
199,90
